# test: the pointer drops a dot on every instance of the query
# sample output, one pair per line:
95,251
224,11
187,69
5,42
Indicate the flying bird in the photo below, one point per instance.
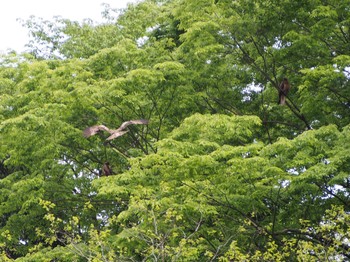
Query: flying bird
283,91
93,130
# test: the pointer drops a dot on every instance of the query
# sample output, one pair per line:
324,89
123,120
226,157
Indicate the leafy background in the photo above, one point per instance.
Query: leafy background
221,173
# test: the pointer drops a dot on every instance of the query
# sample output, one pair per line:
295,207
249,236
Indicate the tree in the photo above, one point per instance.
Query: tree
220,193
222,172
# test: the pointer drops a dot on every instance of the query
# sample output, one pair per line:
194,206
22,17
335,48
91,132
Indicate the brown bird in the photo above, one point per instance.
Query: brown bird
283,91
106,169
93,130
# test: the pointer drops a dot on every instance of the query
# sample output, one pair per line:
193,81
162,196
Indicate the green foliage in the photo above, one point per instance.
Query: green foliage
52,254
210,196
222,172
332,227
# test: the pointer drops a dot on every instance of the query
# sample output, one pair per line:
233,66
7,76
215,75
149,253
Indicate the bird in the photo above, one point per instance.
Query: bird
106,169
93,130
283,91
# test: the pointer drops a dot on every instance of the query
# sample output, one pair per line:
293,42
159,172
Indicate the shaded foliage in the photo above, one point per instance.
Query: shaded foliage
222,172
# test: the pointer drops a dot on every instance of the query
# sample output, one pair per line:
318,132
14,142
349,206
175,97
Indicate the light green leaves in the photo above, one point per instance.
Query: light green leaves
221,172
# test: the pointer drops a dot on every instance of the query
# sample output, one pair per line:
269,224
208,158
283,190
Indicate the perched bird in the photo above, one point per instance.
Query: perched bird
283,91
106,169
93,130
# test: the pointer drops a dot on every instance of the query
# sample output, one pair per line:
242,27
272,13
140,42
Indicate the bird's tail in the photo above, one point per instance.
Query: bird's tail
282,100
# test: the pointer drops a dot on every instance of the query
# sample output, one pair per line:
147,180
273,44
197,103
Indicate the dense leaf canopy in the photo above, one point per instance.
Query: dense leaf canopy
222,172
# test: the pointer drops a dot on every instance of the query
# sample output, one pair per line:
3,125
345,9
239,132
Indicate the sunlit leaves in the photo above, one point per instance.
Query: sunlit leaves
221,129
263,189
222,172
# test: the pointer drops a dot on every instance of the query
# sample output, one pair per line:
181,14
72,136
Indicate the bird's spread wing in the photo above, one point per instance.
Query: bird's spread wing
133,122
93,130
116,134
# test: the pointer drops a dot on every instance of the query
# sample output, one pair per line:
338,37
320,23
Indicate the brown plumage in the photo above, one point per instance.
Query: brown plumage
106,169
283,91
93,130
